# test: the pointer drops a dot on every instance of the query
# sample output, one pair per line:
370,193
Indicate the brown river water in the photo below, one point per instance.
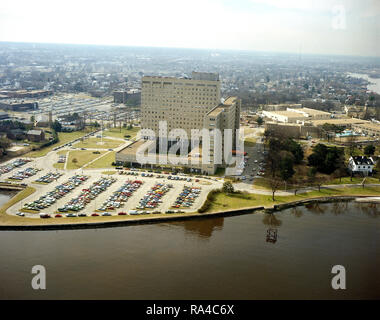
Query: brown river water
214,258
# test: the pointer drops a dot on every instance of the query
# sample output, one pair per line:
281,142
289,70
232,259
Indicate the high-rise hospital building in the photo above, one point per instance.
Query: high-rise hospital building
187,104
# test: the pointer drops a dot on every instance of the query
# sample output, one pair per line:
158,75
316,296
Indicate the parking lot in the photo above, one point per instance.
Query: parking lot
97,203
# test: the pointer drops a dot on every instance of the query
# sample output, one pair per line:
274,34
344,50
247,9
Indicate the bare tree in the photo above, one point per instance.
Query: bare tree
275,183
351,144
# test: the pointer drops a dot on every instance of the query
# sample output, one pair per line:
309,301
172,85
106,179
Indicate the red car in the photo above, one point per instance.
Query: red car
122,213
95,215
58,216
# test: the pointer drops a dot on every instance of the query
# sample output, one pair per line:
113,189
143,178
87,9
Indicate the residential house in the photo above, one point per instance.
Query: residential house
361,164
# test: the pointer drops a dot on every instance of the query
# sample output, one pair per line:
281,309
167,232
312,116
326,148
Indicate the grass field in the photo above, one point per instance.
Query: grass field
117,133
59,165
235,201
110,172
17,198
103,162
64,137
82,158
249,142
355,180
95,143
263,183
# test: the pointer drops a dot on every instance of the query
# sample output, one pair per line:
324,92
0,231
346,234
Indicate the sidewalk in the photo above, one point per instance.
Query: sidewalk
290,192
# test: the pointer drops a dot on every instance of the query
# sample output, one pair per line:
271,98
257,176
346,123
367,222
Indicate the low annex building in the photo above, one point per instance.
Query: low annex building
36,135
294,115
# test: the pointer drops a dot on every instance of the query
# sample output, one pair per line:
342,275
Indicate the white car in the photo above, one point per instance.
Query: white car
21,214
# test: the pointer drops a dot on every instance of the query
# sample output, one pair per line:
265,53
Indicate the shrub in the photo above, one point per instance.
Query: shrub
206,205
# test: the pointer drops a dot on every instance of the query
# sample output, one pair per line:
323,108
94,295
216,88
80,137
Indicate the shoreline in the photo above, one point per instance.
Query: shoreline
188,216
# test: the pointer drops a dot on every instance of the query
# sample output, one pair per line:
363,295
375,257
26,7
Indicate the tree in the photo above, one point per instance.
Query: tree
228,187
295,148
56,125
274,185
369,150
4,145
313,179
259,121
352,144
296,184
75,161
286,169
326,159
340,172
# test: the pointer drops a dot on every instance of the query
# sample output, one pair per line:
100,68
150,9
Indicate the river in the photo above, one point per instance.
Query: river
374,84
215,258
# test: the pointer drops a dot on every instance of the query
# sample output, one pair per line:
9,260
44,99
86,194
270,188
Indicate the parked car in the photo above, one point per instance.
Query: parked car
71,215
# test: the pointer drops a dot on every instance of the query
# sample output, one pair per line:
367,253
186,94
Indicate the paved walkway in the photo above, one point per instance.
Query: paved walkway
251,189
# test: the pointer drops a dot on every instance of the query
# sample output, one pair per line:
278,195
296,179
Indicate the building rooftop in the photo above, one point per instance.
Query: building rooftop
133,147
220,108
230,100
214,112
370,125
35,132
289,114
340,121
313,111
362,160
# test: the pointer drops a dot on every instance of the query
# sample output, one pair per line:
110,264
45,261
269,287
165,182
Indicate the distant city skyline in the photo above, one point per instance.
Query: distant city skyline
341,27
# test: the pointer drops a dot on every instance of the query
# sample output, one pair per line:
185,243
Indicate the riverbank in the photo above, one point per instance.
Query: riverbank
374,83
251,204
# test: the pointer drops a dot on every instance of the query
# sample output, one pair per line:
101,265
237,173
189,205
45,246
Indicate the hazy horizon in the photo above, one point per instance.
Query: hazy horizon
344,27
276,53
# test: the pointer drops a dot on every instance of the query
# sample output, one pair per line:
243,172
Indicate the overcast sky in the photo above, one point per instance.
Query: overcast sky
349,27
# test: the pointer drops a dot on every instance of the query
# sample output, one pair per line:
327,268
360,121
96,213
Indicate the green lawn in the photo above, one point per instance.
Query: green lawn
18,197
64,137
355,180
59,166
115,132
110,172
82,157
235,201
249,142
95,143
263,183
103,162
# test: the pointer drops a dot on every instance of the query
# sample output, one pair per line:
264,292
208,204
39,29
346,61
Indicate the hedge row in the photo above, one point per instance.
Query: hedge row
53,141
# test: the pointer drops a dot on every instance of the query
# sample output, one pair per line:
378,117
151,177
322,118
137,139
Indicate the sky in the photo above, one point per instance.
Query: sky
343,27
